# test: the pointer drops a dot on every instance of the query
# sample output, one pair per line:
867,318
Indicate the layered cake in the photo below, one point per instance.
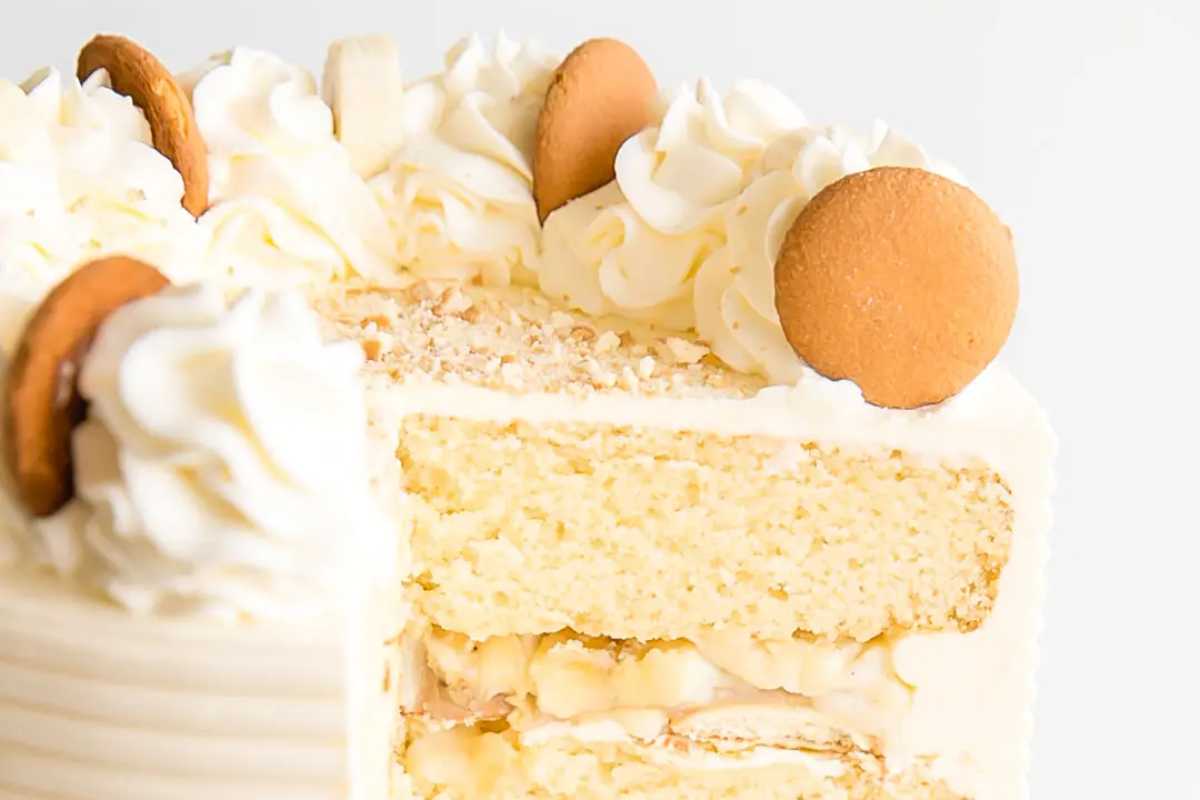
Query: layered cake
520,431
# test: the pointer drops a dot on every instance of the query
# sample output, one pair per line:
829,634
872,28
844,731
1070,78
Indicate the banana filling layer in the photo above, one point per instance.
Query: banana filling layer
727,687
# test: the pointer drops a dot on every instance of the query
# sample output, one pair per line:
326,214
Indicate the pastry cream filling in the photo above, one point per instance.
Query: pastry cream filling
726,686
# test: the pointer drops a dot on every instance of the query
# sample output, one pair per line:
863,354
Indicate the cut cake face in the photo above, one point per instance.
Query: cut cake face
652,491
690,584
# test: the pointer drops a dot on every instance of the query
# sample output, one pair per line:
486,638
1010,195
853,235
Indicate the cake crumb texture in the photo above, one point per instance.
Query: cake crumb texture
657,534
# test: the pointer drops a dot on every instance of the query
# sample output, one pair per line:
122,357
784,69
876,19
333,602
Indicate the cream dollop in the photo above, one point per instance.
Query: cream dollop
81,179
222,468
688,233
287,206
735,290
459,193
635,246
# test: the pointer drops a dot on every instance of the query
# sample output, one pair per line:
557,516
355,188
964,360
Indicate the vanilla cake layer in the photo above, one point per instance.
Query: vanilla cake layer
647,533
615,479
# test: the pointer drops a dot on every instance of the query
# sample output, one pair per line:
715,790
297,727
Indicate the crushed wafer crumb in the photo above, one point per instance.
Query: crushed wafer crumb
513,339
683,351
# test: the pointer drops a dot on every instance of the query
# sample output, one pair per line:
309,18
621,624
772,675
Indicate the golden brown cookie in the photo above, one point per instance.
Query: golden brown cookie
41,403
601,94
135,72
901,280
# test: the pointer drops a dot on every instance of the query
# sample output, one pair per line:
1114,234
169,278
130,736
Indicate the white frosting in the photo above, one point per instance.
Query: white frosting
635,245
687,234
222,467
735,290
973,699
459,193
80,179
100,704
287,206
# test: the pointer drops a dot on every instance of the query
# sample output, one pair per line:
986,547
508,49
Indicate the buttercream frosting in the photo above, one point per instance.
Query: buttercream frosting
687,234
288,208
635,245
222,467
81,179
735,290
459,191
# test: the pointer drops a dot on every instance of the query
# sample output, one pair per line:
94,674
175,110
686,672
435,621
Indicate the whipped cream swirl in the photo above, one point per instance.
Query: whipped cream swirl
635,246
459,193
687,234
81,179
288,209
735,290
222,468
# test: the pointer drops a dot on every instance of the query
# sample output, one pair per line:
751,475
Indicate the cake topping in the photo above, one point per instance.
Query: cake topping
459,192
602,94
634,247
135,72
222,467
288,209
900,280
82,180
42,403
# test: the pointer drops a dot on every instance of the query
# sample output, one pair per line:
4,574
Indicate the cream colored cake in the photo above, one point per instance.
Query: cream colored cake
419,496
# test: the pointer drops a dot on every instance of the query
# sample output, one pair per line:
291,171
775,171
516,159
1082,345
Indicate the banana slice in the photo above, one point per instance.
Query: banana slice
363,86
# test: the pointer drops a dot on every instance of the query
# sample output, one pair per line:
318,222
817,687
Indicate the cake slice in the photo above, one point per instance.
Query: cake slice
639,573
655,553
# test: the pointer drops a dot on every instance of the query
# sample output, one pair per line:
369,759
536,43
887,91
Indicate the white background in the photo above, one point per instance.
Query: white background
1079,124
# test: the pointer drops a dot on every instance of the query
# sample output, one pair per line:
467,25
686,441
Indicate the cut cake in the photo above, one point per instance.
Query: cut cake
666,462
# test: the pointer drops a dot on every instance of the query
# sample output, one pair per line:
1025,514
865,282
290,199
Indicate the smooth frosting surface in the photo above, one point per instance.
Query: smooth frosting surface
222,467
80,179
459,193
287,206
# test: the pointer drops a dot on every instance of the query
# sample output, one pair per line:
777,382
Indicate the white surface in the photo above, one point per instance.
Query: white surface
1078,125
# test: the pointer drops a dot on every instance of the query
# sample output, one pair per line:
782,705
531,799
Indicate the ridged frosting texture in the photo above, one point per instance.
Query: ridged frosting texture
100,704
459,193
222,468
287,206
80,179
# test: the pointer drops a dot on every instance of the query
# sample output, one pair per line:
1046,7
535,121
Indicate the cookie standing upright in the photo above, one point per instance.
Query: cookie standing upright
602,94
136,72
